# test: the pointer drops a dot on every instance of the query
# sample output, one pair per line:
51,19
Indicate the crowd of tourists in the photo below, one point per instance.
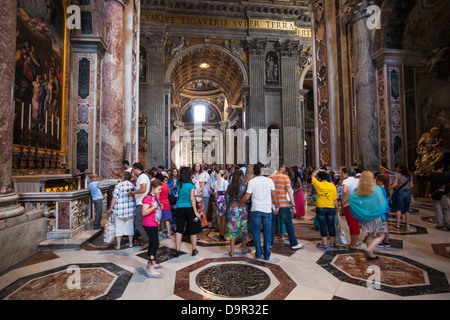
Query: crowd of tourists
242,202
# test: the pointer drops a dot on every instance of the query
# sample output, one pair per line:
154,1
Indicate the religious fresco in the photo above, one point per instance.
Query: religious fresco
38,89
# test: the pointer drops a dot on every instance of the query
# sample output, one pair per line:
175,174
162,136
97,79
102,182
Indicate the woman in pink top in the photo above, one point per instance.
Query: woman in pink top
150,207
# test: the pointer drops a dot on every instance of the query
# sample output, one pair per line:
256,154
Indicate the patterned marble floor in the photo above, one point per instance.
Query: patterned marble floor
417,266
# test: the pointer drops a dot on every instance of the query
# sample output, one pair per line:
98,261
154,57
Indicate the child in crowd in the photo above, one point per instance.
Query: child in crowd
151,210
381,181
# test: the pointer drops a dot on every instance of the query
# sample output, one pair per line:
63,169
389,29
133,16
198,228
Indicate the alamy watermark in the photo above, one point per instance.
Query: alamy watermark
374,280
374,21
74,280
230,146
74,17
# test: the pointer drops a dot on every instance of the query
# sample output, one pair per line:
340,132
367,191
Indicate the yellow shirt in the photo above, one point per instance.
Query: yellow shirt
326,193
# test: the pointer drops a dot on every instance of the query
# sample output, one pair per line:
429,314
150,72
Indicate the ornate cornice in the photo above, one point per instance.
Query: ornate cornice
241,9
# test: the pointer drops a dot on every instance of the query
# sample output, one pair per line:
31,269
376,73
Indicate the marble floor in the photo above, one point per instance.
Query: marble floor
416,266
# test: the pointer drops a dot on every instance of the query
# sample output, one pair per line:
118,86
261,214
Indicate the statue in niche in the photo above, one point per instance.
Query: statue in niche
142,68
428,152
271,69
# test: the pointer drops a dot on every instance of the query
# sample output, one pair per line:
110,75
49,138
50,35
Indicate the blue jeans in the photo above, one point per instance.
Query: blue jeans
259,217
326,217
286,216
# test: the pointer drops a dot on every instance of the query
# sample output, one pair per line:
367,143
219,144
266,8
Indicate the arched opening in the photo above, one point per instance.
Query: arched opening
206,99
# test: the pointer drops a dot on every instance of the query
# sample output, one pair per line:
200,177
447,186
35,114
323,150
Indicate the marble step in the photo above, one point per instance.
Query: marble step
75,243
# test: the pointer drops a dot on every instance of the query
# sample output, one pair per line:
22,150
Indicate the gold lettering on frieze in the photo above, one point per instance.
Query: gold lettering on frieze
225,23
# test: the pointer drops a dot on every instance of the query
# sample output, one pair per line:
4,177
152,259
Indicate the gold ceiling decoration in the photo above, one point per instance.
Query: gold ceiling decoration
223,71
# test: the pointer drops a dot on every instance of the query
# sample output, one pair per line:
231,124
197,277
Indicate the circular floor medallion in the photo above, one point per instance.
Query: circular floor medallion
233,280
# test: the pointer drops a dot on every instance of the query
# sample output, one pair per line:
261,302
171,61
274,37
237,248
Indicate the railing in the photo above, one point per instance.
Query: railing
68,213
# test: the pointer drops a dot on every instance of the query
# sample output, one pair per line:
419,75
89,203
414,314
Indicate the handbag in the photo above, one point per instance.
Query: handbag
172,199
158,211
341,237
109,232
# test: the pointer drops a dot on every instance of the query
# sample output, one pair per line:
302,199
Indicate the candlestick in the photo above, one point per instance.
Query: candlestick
45,121
57,130
21,117
29,119
52,123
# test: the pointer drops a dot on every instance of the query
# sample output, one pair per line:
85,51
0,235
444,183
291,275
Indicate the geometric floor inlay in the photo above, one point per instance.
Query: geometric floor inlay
93,281
233,280
184,290
395,274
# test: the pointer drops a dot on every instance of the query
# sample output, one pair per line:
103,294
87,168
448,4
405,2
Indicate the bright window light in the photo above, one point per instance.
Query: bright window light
199,113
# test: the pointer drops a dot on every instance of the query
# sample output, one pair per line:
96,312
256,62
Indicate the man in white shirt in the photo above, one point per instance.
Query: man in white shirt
142,189
262,191
206,179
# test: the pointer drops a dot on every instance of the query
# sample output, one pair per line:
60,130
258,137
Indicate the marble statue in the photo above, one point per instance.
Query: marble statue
271,69
177,46
438,55
142,66
428,152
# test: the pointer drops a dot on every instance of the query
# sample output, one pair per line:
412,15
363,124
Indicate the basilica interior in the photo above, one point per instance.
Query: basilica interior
88,84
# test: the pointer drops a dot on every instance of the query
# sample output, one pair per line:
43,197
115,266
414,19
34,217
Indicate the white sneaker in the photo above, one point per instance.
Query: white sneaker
298,246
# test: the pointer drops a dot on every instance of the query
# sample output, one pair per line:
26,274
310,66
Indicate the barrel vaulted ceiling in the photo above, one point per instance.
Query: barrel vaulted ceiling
222,70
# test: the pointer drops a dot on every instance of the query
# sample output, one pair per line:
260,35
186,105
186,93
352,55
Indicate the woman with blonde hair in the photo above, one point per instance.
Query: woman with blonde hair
367,204
220,186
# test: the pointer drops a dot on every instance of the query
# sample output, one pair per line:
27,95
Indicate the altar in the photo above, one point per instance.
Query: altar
64,199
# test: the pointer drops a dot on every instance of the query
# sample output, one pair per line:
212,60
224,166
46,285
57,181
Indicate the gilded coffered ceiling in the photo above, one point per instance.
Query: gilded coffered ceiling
219,68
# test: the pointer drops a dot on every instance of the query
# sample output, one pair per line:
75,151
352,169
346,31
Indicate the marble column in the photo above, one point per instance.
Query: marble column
256,111
112,117
156,113
8,199
290,79
367,142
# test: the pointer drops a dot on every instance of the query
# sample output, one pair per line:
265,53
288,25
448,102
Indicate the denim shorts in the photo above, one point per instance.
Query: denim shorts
403,200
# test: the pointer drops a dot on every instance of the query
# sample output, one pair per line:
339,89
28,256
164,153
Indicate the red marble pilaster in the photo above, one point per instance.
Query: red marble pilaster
112,118
8,21
8,199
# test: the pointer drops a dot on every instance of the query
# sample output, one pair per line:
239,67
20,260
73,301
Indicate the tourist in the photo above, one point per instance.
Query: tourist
123,206
401,196
173,178
236,225
283,189
206,178
97,198
141,191
188,217
349,184
199,180
151,211
220,186
262,193
166,212
247,177
299,198
382,182
326,206
437,189
367,204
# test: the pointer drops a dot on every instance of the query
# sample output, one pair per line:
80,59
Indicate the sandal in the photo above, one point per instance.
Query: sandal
333,245
231,254
321,246
245,251
194,252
